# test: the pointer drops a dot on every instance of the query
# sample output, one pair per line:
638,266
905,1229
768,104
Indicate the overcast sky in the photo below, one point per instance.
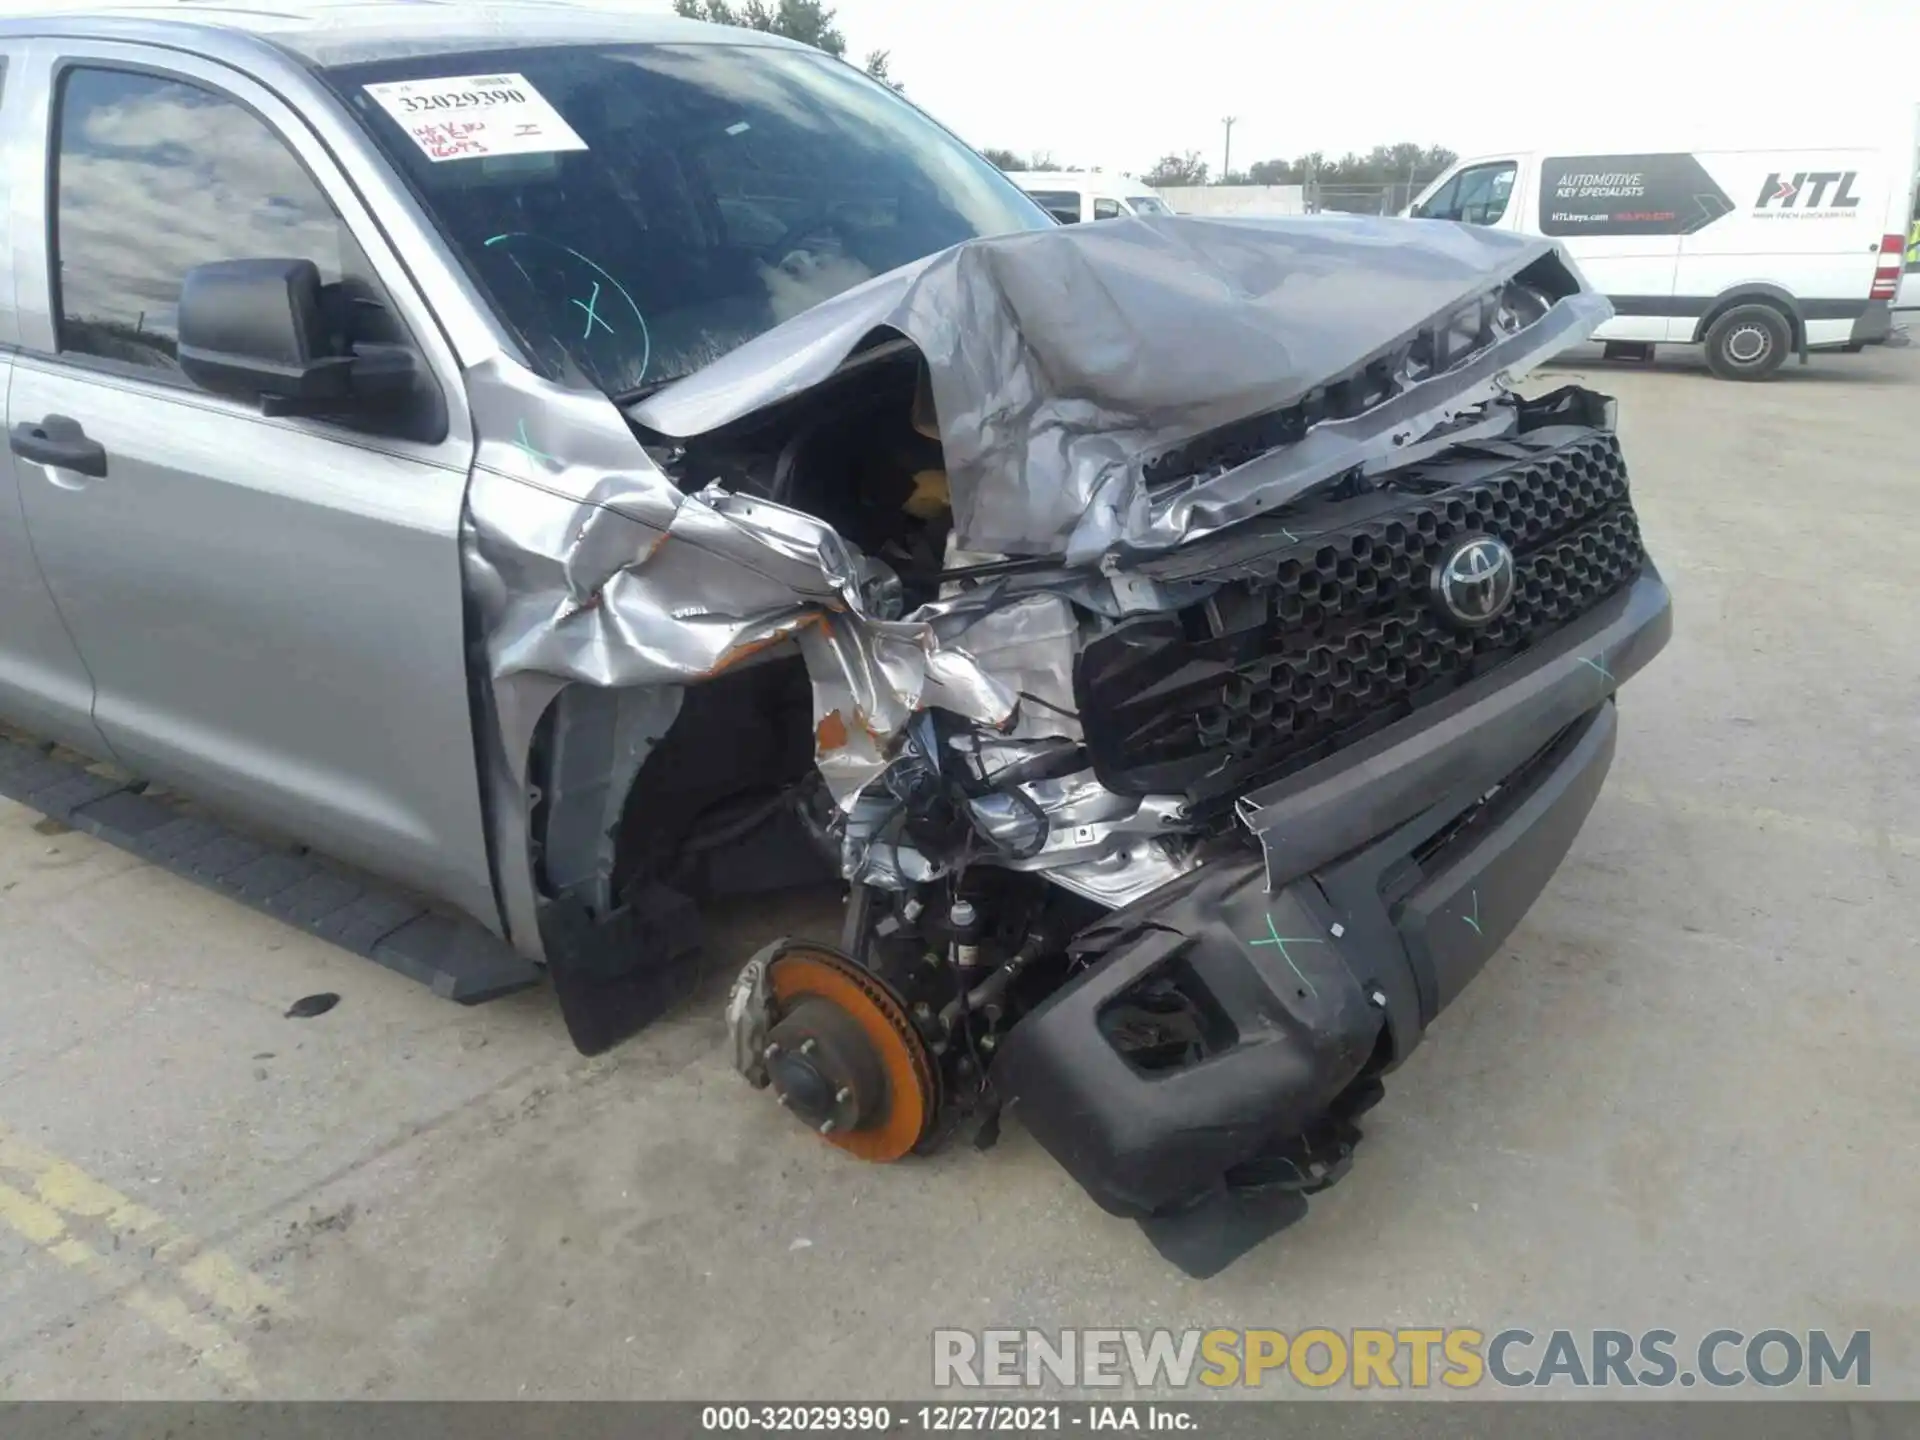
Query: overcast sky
1119,84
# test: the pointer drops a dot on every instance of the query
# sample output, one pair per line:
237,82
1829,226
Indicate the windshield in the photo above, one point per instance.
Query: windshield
1148,205
634,212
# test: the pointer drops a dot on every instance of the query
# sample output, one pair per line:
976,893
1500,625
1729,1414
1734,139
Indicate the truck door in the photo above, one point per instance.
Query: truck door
271,608
43,685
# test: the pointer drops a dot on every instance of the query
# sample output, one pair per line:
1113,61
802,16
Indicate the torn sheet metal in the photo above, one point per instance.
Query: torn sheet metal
588,565
1063,361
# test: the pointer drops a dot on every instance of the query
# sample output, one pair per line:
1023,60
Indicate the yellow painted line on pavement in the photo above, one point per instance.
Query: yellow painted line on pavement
70,1191
211,1344
33,1221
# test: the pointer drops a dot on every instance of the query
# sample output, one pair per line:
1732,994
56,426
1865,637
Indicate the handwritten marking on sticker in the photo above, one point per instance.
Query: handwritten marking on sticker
1474,918
456,117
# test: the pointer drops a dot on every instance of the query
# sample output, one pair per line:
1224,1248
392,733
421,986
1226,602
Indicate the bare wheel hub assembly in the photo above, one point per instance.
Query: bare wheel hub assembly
844,1057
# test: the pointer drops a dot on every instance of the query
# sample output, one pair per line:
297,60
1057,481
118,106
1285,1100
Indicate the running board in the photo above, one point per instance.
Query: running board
455,958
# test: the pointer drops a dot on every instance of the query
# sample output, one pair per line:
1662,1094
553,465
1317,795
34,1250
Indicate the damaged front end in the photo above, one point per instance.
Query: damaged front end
1190,649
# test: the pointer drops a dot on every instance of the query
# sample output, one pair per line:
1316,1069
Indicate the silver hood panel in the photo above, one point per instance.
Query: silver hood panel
1061,361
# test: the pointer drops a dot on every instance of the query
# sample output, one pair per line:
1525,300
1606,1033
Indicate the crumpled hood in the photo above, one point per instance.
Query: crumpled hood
1062,361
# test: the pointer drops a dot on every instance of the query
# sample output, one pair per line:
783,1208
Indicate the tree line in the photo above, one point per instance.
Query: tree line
1038,160
808,21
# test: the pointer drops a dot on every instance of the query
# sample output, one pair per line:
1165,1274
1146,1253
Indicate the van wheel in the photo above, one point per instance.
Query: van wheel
1749,342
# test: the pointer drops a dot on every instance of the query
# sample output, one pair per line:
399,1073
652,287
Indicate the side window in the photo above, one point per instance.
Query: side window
1439,205
1478,195
1063,205
1106,209
154,176
1484,191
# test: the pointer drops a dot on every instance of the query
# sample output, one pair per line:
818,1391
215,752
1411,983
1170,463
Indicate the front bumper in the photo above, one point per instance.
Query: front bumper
1386,877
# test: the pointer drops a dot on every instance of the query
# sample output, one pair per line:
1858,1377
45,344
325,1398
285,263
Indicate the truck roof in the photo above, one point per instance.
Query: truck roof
340,32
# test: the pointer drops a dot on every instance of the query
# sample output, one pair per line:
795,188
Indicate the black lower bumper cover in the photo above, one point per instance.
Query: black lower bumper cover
1316,980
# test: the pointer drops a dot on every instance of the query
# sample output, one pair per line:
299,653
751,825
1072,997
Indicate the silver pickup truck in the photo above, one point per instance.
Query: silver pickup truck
523,473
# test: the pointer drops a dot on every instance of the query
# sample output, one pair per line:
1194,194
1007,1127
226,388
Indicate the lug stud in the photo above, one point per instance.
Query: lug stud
827,1127
842,1095
772,1052
784,1098
808,1046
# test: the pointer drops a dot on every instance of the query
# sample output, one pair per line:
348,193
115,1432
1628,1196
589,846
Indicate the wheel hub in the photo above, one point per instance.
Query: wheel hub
1748,344
844,1057
824,1069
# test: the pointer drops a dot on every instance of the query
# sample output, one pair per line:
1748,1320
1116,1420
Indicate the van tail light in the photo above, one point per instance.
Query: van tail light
1886,275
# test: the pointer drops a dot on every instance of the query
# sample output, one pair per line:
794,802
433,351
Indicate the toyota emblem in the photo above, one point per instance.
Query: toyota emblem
1473,581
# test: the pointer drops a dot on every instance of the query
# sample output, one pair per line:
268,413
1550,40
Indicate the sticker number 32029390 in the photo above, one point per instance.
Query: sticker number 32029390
458,117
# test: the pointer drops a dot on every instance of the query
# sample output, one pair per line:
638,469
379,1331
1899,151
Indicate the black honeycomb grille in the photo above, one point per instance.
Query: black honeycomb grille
1332,635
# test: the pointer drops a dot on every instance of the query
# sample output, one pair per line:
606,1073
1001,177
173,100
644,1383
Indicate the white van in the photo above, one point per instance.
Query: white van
1754,253
1071,196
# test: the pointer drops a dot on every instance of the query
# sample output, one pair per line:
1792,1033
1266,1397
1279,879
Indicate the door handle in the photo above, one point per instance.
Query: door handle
60,441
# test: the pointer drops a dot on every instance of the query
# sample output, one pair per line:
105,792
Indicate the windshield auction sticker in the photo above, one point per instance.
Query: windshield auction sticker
458,117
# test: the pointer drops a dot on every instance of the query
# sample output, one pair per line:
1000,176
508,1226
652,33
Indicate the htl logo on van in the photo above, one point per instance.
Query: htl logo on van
1787,192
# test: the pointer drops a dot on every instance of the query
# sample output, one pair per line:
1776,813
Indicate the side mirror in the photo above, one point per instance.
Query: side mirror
259,330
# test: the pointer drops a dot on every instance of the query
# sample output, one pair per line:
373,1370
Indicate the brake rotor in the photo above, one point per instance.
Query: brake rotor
846,1058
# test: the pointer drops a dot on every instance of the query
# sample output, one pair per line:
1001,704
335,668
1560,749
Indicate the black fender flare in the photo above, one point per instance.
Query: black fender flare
1754,290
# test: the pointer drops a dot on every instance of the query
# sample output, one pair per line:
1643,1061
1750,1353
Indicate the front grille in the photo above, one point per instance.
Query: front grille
1331,635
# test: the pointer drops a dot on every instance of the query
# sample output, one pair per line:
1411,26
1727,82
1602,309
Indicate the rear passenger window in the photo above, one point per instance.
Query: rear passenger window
154,176
1106,209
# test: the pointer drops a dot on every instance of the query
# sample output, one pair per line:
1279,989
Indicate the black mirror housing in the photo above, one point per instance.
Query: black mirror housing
270,333
256,330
